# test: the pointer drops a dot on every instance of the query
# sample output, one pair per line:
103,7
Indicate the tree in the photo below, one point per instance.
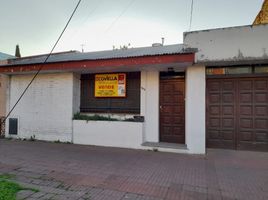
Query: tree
17,53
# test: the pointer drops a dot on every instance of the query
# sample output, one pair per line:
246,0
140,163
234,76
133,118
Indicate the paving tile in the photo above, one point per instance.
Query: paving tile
24,194
62,171
38,195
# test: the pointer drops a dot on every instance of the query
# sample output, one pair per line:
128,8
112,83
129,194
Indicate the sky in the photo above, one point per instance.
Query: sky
101,24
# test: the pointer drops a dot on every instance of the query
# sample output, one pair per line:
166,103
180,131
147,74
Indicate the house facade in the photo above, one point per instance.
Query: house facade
212,91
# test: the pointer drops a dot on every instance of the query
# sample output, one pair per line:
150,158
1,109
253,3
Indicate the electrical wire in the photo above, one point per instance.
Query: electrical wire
40,68
120,15
77,31
191,15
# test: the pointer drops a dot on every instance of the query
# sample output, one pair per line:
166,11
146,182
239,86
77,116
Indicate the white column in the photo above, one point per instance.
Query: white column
152,107
196,109
76,93
143,93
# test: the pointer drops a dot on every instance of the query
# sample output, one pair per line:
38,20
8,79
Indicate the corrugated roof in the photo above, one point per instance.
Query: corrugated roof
4,56
111,54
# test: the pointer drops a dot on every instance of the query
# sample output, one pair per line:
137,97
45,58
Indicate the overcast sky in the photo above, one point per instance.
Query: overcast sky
100,24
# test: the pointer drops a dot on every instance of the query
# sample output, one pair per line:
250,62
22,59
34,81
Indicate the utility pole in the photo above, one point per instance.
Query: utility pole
82,46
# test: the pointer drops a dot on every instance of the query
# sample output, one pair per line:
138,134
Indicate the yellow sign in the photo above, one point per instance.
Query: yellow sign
110,85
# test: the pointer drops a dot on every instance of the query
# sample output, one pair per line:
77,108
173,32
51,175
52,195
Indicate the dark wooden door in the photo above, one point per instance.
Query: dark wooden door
237,113
172,110
220,113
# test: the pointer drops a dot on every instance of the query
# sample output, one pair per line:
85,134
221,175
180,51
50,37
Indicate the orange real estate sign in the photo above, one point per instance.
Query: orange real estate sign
110,85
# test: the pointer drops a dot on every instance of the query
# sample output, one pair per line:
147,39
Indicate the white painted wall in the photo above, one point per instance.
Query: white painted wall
46,110
76,93
195,121
108,133
150,84
229,44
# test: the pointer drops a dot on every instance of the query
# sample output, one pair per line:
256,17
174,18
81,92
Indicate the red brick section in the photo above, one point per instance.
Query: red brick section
65,171
89,64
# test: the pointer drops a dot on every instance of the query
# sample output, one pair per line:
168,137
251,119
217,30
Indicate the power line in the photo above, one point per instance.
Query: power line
77,31
191,15
40,68
120,15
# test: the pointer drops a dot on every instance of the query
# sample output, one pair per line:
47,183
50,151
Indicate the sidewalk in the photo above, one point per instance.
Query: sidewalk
66,171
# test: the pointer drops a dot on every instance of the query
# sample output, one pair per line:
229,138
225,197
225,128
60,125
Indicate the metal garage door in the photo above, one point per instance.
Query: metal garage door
237,113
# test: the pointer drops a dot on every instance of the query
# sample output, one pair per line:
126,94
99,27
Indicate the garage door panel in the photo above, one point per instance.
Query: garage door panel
228,85
246,110
214,122
246,97
246,136
245,85
237,113
261,85
262,137
214,134
221,144
227,97
214,110
214,86
261,124
214,98
246,123
261,97
261,110
228,136
228,110
228,123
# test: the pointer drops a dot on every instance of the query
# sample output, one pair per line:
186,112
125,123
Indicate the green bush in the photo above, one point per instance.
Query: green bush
79,116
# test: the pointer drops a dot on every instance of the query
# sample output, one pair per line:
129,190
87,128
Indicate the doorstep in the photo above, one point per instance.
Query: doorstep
165,147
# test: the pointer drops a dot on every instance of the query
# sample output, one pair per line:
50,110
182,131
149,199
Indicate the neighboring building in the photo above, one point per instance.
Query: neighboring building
236,61
3,88
3,60
212,91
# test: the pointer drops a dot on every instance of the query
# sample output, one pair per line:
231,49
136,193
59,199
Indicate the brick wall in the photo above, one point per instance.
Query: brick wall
46,110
